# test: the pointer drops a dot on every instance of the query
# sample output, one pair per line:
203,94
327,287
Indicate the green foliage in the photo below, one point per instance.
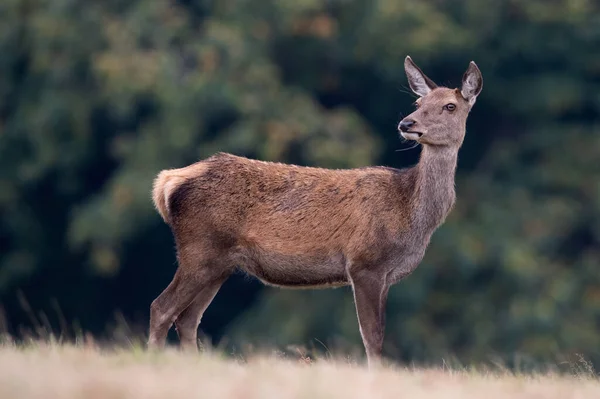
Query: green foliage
96,98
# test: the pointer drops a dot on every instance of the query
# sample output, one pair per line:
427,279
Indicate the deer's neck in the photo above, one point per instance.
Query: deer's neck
434,193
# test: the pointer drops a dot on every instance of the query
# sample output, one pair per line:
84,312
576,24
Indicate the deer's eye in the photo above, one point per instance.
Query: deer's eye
416,105
450,107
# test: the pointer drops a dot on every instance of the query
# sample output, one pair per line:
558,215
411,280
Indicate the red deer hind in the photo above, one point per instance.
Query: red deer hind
302,227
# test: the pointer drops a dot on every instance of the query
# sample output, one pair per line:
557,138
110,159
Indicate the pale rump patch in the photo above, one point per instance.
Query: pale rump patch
167,181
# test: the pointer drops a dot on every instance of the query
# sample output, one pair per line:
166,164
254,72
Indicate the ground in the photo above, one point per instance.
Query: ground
65,371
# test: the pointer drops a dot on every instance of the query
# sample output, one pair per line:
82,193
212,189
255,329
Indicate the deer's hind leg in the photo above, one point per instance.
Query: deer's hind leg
195,283
188,321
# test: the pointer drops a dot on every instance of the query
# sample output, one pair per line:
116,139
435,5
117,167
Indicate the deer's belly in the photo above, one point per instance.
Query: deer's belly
308,270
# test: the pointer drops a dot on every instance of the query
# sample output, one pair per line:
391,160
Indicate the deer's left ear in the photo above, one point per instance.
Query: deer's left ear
472,83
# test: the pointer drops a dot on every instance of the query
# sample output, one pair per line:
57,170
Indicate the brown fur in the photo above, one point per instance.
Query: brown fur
305,227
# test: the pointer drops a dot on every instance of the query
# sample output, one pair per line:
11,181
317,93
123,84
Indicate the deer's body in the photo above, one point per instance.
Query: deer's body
303,227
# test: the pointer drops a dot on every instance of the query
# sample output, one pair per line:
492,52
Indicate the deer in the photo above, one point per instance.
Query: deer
306,227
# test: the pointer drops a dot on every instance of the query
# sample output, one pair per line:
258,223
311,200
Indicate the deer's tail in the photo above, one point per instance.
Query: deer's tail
164,185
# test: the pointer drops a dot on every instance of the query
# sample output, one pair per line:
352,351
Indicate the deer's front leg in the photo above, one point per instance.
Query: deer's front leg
370,295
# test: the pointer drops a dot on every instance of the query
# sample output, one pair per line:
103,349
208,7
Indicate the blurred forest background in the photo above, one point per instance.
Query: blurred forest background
96,97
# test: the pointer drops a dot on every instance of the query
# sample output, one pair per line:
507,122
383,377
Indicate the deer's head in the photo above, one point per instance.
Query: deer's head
441,115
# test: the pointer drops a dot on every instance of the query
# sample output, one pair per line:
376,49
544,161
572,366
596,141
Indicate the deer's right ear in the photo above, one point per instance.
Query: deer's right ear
418,81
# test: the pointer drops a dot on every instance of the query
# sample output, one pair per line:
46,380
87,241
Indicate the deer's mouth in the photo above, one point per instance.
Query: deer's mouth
411,135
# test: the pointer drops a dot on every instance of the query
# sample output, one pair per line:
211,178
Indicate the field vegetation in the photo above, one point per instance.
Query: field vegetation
88,370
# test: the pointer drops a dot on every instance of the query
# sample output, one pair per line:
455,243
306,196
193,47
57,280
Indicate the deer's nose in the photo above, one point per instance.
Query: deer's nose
406,124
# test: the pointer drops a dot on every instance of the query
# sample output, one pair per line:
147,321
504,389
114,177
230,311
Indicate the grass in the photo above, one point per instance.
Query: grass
51,370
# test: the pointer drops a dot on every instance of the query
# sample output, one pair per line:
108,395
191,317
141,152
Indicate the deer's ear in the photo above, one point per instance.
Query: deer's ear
418,81
472,83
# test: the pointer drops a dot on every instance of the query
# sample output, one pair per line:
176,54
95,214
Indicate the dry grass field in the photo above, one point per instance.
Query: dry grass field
69,372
